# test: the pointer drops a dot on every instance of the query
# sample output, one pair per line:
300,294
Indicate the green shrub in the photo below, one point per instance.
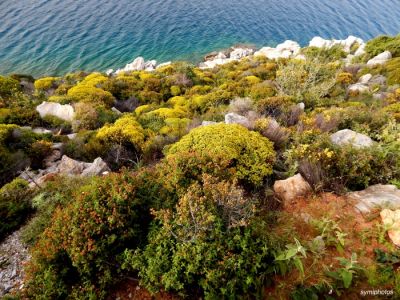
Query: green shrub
226,151
8,87
392,69
325,54
307,81
15,205
210,247
383,43
79,249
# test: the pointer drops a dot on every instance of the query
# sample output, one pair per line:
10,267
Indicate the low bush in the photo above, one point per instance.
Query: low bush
383,43
77,252
210,247
15,205
225,151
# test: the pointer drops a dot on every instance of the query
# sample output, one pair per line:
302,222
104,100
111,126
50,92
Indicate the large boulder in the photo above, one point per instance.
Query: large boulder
290,189
64,112
233,118
347,136
391,221
376,196
380,59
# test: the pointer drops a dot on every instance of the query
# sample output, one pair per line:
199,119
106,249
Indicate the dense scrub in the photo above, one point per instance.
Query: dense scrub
189,207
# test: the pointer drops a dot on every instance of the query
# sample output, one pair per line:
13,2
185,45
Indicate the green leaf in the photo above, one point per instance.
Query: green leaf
347,277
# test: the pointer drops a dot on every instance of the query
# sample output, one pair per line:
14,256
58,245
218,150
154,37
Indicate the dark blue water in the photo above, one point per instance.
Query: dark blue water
56,36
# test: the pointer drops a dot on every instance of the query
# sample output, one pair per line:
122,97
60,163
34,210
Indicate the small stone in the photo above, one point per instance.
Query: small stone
290,189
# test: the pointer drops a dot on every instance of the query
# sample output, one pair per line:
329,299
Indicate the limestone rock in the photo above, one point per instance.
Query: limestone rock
391,220
347,136
378,195
205,123
238,53
358,87
69,166
346,44
98,167
65,112
139,64
285,50
291,188
233,118
365,78
380,59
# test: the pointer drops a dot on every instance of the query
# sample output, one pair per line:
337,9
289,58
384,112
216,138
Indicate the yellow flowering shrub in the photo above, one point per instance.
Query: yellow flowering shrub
223,150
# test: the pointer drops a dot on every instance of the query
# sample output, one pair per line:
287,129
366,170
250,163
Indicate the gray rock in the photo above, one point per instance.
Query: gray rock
64,112
205,123
376,196
365,78
290,189
69,166
347,136
377,80
380,59
98,167
233,118
380,96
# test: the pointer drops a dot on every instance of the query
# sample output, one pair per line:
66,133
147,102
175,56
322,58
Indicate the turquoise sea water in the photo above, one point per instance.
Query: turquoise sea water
53,37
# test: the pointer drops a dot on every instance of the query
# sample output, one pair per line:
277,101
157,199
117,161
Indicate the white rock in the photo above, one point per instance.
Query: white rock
71,136
239,53
346,44
358,87
164,64
365,78
361,50
137,65
65,112
221,55
286,49
376,196
347,136
150,65
109,72
380,59
233,118
40,130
